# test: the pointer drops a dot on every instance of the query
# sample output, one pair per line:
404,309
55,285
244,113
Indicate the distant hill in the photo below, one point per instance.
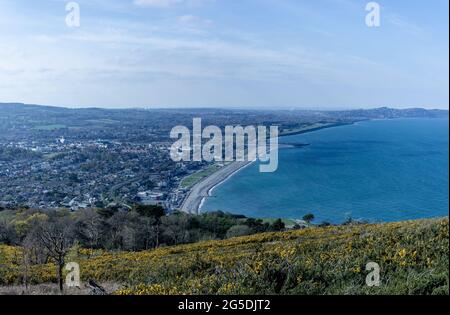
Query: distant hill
24,121
413,257
376,113
389,113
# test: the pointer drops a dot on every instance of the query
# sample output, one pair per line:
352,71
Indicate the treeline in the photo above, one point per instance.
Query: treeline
48,236
14,154
142,228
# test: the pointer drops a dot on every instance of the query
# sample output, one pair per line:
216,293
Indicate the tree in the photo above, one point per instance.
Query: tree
28,245
55,237
348,221
111,239
176,228
150,211
108,212
217,223
297,226
88,227
239,230
8,235
257,225
25,221
324,224
308,218
147,233
278,225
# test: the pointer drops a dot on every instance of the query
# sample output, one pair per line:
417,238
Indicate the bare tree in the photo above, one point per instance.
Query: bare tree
89,227
55,237
176,228
147,232
116,225
28,244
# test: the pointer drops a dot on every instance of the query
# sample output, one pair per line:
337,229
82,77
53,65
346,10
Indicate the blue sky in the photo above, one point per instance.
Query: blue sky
225,53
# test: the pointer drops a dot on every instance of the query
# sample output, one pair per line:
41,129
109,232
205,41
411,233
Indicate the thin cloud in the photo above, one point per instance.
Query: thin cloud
192,20
404,24
168,3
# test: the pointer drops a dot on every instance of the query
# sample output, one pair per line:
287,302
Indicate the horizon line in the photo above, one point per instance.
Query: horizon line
249,108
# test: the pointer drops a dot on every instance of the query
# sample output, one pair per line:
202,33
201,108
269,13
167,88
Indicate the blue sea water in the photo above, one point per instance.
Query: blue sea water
382,170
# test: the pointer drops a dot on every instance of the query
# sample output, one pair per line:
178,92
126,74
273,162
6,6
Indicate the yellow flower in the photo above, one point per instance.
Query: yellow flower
402,253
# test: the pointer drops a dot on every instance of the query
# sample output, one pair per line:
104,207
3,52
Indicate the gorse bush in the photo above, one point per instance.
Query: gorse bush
49,235
413,257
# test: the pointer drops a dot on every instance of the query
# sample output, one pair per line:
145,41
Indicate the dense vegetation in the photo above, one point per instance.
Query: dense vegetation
141,228
413,256
49,235
12,154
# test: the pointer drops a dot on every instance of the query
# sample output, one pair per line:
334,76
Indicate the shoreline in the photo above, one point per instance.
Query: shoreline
197,195
200,191
227,177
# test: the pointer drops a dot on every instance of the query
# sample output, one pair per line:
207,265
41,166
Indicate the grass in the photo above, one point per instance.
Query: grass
49,127
52,156
53,289
189,181
7,215
413,257
294,131
102,121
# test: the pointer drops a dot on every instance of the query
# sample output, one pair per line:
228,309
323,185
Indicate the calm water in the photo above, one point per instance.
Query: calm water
386,170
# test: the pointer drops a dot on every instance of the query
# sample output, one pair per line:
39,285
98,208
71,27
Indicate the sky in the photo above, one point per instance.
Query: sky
225,53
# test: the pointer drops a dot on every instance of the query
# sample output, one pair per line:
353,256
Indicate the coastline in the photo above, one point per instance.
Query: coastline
200,191
197,195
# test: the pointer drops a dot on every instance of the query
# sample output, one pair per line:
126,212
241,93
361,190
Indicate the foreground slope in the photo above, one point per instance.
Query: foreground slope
413,256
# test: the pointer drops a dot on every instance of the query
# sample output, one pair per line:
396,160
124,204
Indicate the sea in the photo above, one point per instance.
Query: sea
374,171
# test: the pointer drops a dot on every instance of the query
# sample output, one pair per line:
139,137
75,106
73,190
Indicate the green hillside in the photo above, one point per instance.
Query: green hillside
413,257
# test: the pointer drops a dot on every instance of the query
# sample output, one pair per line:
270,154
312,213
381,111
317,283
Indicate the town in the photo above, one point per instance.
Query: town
53,158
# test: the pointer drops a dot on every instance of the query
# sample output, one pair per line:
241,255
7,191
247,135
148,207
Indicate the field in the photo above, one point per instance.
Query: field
49,127
413,257
299,130
52,156
103,121
193,179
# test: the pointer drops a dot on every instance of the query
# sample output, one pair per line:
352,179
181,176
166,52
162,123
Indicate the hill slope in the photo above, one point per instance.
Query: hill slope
413,256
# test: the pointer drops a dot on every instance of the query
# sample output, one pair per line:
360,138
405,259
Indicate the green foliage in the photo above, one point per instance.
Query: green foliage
150,211
308,218
413,257
239,230
193,179
277,226
14,154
